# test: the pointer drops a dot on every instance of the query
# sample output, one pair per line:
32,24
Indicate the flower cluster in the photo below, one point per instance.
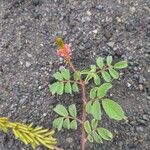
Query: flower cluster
64,50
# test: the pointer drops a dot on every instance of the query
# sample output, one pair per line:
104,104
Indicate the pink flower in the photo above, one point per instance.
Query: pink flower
64,52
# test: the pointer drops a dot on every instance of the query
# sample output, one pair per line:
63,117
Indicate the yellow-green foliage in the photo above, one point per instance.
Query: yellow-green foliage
28,134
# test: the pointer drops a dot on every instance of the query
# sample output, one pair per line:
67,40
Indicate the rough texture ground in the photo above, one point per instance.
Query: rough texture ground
94,28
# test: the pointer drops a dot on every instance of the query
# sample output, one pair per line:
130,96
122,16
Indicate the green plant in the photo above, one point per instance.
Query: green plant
98,77
28,134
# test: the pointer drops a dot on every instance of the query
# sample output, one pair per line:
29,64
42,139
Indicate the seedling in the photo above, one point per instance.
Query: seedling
98,77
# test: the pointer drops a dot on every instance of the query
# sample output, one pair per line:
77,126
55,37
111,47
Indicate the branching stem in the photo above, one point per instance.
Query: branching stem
84,100
83,140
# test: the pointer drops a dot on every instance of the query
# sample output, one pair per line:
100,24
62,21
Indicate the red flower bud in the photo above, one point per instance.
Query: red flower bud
64,50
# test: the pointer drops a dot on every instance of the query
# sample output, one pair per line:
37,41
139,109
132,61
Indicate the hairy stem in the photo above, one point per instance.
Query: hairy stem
83,140
71,65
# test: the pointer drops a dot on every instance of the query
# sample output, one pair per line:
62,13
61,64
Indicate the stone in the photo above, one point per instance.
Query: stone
28,64
95,31
69,140
141,87
111,44
139,129
89,13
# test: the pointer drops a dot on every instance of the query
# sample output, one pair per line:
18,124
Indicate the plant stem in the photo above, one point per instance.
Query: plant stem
80,121
71,65
83,139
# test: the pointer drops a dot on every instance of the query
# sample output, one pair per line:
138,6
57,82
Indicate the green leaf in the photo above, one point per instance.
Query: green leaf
65,74
94,123
113,73
68,88
106,76
93,92
87,126
58,76
86,71
88,106
90,138
96,79
66,123
53,87
99,62
72,110
73,124
109,60
61,110
93,68
96,110
58,123
105,134
88,77
96,137
113,110
75,87
102,90
60,89
77,75
121,64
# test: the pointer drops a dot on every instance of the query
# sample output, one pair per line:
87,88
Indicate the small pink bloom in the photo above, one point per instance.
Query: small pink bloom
64,52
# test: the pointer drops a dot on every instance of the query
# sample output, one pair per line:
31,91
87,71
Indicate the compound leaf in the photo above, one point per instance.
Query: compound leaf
53,87
105,134
66,123
72,110
58,123
96,110
121,64
99,62
60,89
96,79
73,124
65,74
77,75
109,60
96,137
87,126
88,77
93,68
68,88
75,87
106,76
113,110
61,110
114,73
94,123
102,90
93,93
90,138
88,106
58,76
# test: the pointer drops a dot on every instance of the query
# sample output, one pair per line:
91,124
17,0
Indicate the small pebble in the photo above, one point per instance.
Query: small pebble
28,64
111,44
139,129
128,84
141,87
95,31
132,9
89,13
44,114
69,140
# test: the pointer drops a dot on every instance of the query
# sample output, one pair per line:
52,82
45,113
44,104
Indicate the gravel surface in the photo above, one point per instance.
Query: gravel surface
28,29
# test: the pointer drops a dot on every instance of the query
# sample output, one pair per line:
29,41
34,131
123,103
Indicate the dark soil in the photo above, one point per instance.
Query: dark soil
28,30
